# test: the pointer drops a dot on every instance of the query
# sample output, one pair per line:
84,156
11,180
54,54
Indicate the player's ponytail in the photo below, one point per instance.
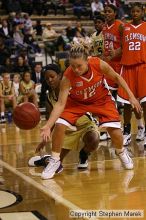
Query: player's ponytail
79,50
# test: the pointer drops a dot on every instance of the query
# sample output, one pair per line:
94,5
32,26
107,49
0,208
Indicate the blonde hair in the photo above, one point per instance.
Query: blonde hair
79,50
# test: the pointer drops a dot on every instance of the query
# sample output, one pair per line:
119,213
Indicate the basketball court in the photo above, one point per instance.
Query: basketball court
104,186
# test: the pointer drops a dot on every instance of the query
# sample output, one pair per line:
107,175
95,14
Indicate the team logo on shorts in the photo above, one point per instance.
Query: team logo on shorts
79,84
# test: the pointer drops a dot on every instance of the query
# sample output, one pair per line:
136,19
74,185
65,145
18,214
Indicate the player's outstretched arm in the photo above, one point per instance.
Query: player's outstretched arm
108,71
58,108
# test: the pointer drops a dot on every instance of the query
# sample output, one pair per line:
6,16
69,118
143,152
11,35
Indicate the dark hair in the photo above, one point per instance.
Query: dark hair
38,63
137,4
113,7
99,17
23,75
53,67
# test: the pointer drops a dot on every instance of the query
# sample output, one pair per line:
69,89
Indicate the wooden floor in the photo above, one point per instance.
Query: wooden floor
104,186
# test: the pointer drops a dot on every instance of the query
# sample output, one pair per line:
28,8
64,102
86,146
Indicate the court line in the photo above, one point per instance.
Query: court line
37,185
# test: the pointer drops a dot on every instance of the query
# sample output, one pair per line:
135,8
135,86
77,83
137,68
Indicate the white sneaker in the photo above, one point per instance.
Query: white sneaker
103,137
126,139
3,120
140,134
37,161
126,160
54,166
83,165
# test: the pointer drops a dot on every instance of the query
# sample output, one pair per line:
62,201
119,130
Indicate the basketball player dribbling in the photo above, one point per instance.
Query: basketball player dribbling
84,137
84,89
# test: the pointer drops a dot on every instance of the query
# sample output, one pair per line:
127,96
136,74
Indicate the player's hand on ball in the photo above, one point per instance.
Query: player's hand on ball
46,133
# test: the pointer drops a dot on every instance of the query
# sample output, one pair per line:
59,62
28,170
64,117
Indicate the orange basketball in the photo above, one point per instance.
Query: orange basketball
26,116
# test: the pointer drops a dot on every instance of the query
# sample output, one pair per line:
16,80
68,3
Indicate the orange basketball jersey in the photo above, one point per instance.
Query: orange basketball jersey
134,44
112,38
86,90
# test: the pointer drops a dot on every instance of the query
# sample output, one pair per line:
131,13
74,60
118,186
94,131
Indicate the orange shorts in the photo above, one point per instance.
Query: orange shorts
135,76
105,110
110,82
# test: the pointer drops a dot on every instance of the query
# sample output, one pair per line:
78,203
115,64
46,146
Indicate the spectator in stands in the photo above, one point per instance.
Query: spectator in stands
38,28
78,8
70,31
5,30
17,19
79,38
8,65
49,32
58,4
31,42
6,33
7,95
80,29
18,35
27,23
4,54
37,75
27,89
50,36
21,66
96,7
16,85
63,42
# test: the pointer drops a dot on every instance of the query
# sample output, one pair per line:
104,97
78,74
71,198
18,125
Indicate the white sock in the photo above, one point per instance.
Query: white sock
140,123
2,114
118,151
55,155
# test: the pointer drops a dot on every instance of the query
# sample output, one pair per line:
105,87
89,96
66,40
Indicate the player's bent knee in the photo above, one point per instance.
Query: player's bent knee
59,126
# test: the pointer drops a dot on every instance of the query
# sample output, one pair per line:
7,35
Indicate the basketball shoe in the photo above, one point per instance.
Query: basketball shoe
3,120
127,135
140,134
38,161
126,139
83,160
53,167
126,160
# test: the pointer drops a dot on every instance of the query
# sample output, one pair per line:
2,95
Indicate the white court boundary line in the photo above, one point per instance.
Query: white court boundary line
37,185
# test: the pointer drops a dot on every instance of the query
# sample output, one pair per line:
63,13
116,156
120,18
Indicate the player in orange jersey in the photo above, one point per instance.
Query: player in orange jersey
112,42
134,69
84,89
